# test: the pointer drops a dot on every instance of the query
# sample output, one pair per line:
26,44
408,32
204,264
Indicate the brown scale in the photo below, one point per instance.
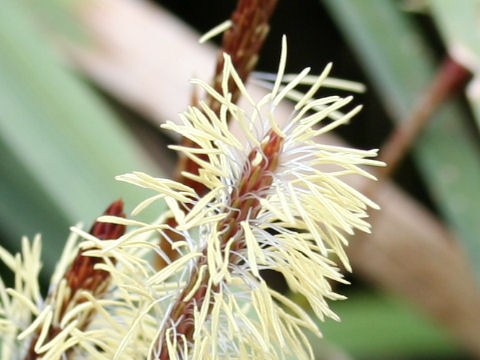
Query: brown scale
81,275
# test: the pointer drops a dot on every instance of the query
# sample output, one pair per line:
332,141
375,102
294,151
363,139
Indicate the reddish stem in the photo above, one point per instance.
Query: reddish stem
250,188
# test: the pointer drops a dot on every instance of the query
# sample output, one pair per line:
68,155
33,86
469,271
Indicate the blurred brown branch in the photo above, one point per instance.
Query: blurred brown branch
410,252
449,78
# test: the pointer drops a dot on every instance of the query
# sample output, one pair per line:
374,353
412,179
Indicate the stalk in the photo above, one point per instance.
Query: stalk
244,204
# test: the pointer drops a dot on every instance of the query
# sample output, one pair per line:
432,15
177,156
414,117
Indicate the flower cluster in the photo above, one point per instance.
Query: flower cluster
275,201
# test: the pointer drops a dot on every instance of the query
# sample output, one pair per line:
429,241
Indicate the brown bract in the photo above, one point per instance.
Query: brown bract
243,42
82,275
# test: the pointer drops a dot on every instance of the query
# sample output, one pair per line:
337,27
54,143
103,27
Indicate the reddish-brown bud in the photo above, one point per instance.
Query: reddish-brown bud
81,274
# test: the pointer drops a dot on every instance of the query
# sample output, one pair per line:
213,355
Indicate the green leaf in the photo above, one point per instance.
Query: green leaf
61,146
377,326
458,23
398,62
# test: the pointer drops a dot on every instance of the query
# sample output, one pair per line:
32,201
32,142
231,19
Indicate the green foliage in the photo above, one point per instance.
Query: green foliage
376,326
61,146
457,22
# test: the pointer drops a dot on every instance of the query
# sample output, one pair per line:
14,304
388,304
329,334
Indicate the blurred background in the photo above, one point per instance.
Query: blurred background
84,86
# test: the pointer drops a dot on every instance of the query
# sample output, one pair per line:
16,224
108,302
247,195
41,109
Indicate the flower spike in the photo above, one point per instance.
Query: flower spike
277,202
274,200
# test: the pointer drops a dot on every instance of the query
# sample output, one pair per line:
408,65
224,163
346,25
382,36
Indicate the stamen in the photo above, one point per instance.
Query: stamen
217,30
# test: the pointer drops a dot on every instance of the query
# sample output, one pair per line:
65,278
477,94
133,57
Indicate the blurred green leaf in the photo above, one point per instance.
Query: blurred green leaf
374,326
398,62
61,146
59,17
459,24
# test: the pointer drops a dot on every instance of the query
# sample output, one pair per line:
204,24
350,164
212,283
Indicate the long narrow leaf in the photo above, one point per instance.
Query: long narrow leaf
377,326
61,146
458,23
